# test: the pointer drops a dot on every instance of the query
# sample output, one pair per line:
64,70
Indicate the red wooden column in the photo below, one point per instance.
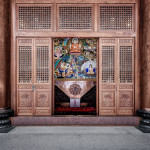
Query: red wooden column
145,51
5,113
145,66
4,53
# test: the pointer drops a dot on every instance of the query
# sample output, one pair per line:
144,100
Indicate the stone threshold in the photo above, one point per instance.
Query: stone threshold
75,120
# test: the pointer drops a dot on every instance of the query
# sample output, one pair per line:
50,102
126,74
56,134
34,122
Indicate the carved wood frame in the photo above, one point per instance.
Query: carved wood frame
15,34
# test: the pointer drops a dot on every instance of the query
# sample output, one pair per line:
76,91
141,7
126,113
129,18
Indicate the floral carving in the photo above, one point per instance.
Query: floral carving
42,100
75,89
25,100
108,100
125,100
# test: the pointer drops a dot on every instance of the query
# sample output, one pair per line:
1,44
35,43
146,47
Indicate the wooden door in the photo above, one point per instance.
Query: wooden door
116,83
125,85
34,76
108,50
42,78
25,79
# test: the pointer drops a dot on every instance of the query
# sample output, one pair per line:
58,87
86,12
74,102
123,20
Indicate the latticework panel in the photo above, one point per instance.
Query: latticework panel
125,68
116,18
25,64
108,64
34,18
42,64
75,18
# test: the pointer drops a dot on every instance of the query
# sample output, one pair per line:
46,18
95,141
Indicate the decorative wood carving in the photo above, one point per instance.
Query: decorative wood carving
24,86
25,41
25,99
108,112
127,112
42,86
108,41
42,99
108,99
125,86
126,99
41,41
42,112
108,86
126,41
25,111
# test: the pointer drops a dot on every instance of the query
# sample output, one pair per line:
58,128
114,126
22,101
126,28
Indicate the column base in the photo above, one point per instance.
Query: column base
5,123
145,121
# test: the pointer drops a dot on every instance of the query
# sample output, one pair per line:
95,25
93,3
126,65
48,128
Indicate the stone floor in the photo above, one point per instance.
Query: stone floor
75,138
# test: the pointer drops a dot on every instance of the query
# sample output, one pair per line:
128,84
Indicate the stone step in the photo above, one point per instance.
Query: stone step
75,120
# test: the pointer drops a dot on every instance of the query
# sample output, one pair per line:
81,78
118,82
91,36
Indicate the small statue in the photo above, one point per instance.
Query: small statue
75,47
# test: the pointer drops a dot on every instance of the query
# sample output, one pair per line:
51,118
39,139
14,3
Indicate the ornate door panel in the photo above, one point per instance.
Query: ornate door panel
25,92
116,76
42,77
33,76
125,95
107,76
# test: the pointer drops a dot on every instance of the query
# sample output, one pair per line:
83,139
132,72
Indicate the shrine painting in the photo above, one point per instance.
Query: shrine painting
75,58
75,76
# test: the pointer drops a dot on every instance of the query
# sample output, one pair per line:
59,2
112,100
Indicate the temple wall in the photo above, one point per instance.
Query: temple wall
4,53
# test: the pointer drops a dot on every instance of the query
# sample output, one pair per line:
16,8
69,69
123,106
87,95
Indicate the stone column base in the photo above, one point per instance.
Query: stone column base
145,121
5,123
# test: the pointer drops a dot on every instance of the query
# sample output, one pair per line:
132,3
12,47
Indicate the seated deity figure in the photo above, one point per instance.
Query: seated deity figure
90,70
69,72
62,69
74,46
58,53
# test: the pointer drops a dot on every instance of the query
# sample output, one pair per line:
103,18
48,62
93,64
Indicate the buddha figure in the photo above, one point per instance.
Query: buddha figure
90,70
75,47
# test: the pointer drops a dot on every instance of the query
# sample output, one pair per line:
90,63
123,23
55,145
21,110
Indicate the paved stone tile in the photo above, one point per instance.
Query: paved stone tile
75,138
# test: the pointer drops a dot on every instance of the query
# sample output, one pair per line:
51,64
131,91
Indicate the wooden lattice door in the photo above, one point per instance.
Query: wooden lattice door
116,76
34,78
125,85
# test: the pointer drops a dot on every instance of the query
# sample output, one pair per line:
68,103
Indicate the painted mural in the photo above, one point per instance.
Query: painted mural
75,58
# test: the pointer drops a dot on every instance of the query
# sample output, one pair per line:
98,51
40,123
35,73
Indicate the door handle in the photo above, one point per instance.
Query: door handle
33,87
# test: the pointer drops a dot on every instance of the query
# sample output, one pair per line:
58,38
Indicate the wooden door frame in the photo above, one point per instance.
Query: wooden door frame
97,77
16,34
